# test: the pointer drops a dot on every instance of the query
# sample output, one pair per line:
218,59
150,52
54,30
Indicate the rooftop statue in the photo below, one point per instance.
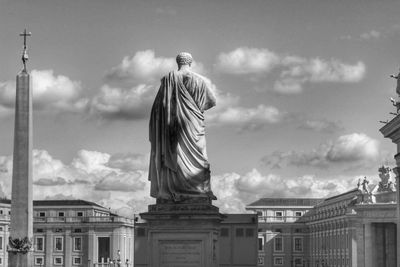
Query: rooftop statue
398,82
179,169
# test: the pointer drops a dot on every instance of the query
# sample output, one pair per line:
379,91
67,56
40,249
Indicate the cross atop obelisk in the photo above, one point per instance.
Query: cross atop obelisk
21,232
25,52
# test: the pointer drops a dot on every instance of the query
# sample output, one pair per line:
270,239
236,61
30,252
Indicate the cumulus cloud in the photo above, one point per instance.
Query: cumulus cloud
124,182
235,191
120,103
50,91
294,71
131,86
246,60
128,161
144,67
50,182
246,118
373,34
321,125
349,149
91,175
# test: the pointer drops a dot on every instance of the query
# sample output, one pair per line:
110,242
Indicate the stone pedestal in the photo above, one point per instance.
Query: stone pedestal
183,234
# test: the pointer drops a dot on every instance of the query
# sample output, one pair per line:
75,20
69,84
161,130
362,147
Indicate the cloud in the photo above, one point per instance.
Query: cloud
235,191
95,176
120,103
294,71
50,182
246,118
130,87
321,125
244,60
141,67
373,34
349,149
124,182
353,147
144,67
50,92
300,71
128,161
319,70
98,177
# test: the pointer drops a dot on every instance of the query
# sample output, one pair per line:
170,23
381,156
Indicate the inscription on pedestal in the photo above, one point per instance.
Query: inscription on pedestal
180,253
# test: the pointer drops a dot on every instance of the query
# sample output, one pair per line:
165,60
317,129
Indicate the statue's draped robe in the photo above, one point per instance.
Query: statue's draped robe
178,161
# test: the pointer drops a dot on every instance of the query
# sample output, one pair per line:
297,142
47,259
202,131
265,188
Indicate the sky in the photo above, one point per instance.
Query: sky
301,87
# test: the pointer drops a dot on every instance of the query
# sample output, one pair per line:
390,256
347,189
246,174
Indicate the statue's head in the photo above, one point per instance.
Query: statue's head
184,58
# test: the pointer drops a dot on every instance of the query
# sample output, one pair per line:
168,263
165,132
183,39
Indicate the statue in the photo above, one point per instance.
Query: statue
364,184
398,82
179,169
384,175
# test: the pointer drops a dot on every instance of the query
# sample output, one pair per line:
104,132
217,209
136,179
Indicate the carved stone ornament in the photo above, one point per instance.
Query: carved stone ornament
385,185
16,245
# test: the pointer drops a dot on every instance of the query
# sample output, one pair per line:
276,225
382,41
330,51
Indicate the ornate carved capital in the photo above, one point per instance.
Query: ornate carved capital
17,245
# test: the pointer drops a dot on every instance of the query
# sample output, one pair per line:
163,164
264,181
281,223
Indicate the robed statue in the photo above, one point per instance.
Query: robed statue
179,169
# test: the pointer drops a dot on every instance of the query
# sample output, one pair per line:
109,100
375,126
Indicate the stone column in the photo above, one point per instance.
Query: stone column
49,247
368,245
68,248
92,251
21,196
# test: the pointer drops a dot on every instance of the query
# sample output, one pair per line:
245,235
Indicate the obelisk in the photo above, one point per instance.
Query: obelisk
21,232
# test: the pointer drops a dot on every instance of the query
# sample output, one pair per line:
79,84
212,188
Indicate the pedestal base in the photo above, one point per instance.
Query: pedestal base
183,235
20,259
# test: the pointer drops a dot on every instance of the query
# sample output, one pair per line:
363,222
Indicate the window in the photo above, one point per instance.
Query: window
278,244
259,213
278,230
61,214
278,261
239,232
79,213
249,232
58,244
39,261
58,260
298,244
77,230
279,215
42,214
77,243
39,243
261,243
1,261
1,228
1,243
58,230
298,262
39,230
1,211
77,260
298,213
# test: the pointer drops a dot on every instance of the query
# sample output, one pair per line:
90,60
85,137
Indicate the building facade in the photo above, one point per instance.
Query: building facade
73,233
353,229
